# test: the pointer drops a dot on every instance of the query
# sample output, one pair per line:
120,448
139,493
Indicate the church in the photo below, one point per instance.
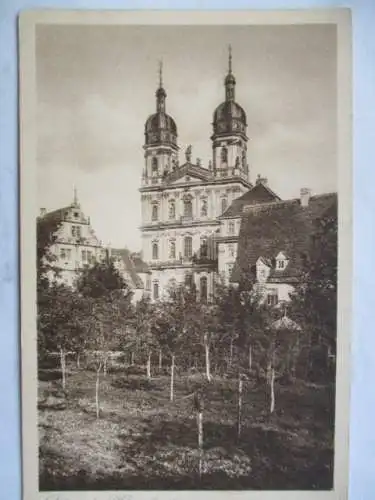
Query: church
188,233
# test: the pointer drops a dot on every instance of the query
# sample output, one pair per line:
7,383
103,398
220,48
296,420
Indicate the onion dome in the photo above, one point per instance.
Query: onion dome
160,128
229,117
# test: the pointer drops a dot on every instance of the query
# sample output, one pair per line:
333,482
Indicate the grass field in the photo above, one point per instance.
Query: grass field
144,441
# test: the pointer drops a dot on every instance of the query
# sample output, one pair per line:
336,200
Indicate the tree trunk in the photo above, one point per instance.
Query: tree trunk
239,406
63,368
105,366
250,358
149,365
160,359
207,354
200,439
272,407
97,390
172,378
132,358
231,352
78,360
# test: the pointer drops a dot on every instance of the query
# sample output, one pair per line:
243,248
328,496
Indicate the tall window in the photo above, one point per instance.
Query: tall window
172,209
203,289
224,204
76,231
189,280
172,250
231,250
231,227
188,207
224,155
204,249
148,283
272,298
188,247
204,207
155,251
155,211
155,167
156,290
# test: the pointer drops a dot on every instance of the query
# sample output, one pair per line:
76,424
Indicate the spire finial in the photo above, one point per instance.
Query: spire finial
160,73
230,59
75,199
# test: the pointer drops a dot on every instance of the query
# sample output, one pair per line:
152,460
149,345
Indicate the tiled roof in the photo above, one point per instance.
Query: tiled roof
260,193
139,264
284,226
129,265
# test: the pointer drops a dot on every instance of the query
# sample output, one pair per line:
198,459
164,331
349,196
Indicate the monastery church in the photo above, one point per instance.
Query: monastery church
193,214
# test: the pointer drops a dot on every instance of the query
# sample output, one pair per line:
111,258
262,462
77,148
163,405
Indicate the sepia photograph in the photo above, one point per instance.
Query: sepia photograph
185,264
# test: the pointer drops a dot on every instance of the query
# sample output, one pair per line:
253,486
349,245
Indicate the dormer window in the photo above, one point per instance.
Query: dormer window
281,261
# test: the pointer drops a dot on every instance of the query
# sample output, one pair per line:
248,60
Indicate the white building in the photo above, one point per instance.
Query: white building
182,203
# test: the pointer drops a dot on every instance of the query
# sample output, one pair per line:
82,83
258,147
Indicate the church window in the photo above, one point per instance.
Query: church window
203,289
204,208
231,227
148,283
172,209
172,250
155,251
155,210
224,204
188,247
188,207
189,280
156,290
204,248
155,167
224,154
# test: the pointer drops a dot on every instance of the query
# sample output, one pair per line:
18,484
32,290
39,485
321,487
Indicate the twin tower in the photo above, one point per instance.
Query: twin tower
229,140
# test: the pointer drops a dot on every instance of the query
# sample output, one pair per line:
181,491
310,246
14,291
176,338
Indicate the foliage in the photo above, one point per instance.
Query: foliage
47,231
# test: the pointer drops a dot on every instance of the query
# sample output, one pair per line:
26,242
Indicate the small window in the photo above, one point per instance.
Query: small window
156,290
188,208
281,264
155,214
76,214
74,232
172,209
155,251
231,250
84,256
172,250
62,253
203,289
272,299
188,247
224,155
155,167
231,227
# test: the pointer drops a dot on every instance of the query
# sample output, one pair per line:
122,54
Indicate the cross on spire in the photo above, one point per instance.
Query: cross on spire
230,59
75,199
160,73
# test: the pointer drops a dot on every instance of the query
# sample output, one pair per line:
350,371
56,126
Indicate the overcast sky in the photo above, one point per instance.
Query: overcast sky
96,87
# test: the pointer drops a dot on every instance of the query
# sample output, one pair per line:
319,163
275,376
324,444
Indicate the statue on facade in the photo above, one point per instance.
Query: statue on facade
188,153
198,162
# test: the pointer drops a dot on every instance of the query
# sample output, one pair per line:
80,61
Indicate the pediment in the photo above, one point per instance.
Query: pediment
188,173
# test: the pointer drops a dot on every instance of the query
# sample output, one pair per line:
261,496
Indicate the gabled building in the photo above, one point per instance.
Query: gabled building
134,270
274,241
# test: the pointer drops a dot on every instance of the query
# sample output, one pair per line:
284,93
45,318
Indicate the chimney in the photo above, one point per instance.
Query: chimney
261,180
43,212
305,194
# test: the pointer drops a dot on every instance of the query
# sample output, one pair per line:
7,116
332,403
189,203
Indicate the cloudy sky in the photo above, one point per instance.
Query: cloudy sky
96,87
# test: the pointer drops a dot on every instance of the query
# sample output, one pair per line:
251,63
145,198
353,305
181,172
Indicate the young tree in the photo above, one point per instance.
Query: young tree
143,328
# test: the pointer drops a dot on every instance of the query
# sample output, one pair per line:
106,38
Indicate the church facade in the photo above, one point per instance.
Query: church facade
182,201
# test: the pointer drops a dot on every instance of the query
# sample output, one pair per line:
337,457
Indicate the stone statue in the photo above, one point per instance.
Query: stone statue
188,153
198,162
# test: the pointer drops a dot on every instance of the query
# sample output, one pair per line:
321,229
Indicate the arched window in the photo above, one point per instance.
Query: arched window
172,209
155,167
224,154
203,289
204,207
224,204
188,247
156,290
172,250
204,248
155,211
188,207
155,251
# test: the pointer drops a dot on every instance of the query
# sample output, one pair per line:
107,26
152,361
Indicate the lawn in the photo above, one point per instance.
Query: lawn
144,441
